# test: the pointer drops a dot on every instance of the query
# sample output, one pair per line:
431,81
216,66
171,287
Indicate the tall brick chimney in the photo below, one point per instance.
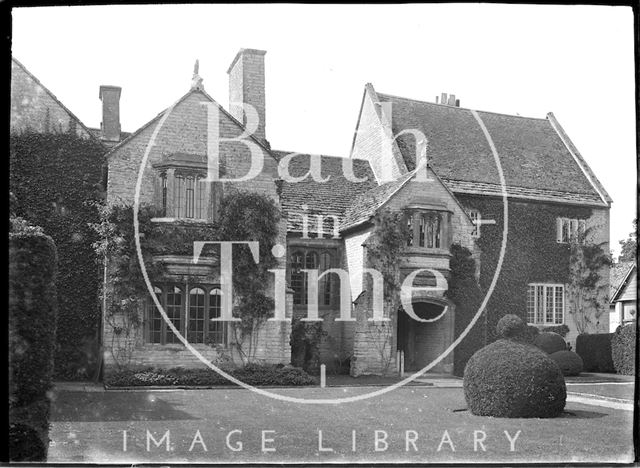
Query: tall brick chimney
246,84
110,126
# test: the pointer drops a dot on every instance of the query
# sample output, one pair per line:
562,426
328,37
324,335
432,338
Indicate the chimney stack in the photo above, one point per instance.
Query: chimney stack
449,100
110,126
246,85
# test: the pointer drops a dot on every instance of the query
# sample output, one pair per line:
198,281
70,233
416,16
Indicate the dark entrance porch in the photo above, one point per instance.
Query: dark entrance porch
422,342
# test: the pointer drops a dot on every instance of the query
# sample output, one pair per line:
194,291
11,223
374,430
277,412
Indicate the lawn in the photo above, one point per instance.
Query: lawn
414,424
621,391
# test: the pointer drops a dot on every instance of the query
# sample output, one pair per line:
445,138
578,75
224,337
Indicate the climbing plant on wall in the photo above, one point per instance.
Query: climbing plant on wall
243,217
587,295
124,290
384,247
52,177
532,253
464,292
248,216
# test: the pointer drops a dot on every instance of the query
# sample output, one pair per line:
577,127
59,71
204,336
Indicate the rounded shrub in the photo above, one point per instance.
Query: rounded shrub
623,349
569,362
513,380
550,342
511,326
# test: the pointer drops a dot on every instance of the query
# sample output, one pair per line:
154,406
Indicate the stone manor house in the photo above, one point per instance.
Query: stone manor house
552,196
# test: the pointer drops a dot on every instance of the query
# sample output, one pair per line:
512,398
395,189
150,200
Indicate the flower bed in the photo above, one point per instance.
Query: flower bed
252,374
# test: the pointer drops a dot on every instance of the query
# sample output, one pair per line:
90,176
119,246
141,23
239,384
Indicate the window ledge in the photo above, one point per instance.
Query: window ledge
180,220
427,251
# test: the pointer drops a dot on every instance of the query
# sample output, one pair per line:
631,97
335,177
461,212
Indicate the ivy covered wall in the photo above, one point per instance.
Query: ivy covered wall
53,177
532,253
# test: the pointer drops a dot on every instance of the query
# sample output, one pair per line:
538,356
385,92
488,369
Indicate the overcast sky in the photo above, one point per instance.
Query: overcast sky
575,61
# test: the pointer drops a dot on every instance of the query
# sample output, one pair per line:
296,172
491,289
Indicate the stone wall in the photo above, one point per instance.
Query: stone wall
34,108
374,140
185,130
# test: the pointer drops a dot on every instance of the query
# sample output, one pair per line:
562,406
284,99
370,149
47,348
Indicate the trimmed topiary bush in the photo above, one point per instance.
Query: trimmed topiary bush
512,327
514,380
595,351
550,342
32,332
531,332
561,330
25,444
623,349
569,362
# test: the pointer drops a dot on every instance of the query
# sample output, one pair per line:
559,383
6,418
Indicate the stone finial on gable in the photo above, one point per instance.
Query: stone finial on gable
196,80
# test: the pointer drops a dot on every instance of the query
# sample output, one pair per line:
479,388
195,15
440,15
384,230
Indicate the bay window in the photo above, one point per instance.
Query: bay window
190,308
427,229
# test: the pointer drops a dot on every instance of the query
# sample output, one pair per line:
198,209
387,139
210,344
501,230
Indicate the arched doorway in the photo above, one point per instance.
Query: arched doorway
422,342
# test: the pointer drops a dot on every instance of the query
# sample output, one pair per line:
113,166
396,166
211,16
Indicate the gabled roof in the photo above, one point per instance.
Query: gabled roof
619,273
537,158
55,99
321,198
198,90
366,204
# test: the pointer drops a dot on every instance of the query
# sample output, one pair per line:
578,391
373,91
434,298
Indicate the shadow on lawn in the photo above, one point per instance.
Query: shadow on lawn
133,406
581,414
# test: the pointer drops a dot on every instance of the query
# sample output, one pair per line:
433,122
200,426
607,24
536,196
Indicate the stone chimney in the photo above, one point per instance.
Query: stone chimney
449,100
246,85
110,126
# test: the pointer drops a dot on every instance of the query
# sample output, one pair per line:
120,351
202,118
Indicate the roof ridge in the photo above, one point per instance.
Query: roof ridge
496,184
179,101
53,96
461,108
310,154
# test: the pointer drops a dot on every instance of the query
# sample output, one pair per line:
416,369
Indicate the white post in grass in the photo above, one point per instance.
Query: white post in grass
402,364
323,375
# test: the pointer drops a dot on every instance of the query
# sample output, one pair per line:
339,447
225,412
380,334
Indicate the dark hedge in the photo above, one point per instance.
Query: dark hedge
53,176
561,330
32,333
550,342
595,351
569,362
623,349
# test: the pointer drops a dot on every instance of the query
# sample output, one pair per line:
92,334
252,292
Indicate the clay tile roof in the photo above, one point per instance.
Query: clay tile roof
617,274
366,204
322,198
534,158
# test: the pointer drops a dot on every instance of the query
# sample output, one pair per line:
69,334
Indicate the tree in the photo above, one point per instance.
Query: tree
628,247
